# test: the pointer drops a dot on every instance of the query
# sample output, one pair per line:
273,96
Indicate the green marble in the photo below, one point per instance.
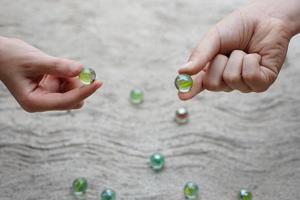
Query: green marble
184,83
87,76
108,194
181,116
191,191
245,195
79,186
157,161
136,96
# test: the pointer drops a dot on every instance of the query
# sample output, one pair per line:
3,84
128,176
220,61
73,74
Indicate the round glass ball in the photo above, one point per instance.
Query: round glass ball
191,191
79,186
108,194
183,83
136,96
245,195
157,161
87,76
181,115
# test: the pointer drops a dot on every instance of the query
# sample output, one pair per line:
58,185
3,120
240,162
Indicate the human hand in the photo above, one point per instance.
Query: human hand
40,82
246,50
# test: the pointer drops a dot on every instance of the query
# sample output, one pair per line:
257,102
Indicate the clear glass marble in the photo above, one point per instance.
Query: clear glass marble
79,186
108,194
157,161
136,96
87,76
191,191
245,195
183,83
181,115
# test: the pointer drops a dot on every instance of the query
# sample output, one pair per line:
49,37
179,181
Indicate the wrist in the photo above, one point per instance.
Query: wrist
291,14
288,11
294,18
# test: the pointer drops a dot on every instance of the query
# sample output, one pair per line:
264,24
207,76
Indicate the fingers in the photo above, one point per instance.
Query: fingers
72,99
44,64
241,72
213,80
257,77
70,84
197,87
203,53
232,75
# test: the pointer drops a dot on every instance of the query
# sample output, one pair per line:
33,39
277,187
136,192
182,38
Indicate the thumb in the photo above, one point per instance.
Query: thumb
45,64
207,49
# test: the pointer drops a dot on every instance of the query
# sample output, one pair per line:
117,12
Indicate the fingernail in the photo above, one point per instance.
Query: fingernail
188,64
185,66
76,67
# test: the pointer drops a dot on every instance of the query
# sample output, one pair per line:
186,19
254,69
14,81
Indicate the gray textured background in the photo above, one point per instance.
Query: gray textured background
233,140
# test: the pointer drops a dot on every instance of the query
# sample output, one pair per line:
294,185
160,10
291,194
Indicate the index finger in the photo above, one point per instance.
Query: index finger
203,53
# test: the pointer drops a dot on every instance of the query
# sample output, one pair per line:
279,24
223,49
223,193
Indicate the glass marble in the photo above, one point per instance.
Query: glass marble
87,76
245,195
79,186
157,161
181,115
183,83
108,194
191,191
136,96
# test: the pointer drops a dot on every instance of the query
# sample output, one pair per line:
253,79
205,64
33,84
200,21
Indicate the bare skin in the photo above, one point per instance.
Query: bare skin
40,82
246,50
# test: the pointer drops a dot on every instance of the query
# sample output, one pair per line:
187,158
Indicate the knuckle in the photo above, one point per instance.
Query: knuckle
235,51
230,78
79,105
227,89
212,85
238,52
250,77
245,90
248,56
60,65
261,89
221,57
56,64
27,104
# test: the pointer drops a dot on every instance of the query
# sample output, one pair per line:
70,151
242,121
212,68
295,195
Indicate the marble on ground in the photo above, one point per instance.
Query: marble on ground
233,140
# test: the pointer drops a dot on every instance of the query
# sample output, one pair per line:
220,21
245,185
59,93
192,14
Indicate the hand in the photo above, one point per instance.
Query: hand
40,82
245,51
